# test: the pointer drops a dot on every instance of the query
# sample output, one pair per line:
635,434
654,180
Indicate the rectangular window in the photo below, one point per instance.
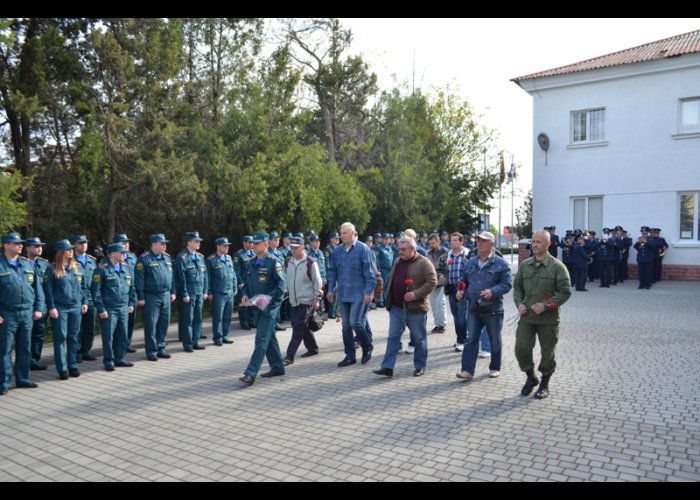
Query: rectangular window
588,125
588,213
689,217
689,119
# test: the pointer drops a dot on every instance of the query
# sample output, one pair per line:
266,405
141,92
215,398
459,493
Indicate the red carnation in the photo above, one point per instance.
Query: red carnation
545,298
551,305
461,285
450,262
409,281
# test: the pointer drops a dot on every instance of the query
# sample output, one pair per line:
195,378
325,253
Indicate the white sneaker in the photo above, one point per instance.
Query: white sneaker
484,354
459,347
494,374
466,376
410,349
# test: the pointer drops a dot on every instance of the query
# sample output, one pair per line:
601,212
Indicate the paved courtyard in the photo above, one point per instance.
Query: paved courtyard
624,407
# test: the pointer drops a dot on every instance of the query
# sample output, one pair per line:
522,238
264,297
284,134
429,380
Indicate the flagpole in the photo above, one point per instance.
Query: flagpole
512,202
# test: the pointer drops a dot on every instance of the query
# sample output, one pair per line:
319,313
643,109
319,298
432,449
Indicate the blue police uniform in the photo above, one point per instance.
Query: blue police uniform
385,258
241,262
87,323
191,282
39,327
131,260
646,252
20,296
155,284
266,276
223,285
113,292
66,294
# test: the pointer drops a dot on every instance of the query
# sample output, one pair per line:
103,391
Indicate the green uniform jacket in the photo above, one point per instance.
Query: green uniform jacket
544,281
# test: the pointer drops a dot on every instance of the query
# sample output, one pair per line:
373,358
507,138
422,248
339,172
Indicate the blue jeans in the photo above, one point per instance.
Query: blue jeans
354,316
493,324
266,345
417,326
459,313
485,342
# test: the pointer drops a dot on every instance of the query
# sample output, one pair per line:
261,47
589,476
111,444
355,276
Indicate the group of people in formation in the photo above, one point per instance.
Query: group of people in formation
407,273
589,258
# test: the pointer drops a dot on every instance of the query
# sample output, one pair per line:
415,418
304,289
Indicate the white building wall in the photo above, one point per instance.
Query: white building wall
642,166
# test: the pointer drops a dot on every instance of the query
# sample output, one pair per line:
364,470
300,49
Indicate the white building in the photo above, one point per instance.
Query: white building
623,138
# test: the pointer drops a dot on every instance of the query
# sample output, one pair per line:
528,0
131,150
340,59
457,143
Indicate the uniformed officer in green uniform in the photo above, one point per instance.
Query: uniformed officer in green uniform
35,248
114,295
241,261
191,282
265,277
223,286
21,303
131,260
541,286
155,290
88,263
66,291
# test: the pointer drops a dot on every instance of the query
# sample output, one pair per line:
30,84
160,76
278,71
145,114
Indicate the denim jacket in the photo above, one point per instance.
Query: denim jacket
495,275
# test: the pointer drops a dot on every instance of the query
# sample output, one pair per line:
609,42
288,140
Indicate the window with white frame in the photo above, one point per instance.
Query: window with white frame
588,125
689,115
689,217
588,213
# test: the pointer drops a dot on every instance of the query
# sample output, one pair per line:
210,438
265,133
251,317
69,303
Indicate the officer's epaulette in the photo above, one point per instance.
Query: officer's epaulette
103,265
270,256
24,258
183,256
166,253
200,254
41,258
144,254
91,257
212,256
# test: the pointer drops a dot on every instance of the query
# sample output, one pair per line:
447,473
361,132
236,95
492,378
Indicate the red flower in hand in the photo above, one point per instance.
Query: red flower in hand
545,298
409,281
450,262
461,285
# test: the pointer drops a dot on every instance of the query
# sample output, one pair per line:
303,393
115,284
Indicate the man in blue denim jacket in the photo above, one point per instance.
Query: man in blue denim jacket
488,279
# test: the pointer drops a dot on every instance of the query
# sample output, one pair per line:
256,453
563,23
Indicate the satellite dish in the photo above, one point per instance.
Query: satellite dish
543,141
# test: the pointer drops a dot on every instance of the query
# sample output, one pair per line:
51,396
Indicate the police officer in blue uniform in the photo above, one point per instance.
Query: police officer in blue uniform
114,295
223,286
131,261
155,290
385,259
191,283
21,303
35,248
87,324
646,251
66,291
265,277
661,248
241,262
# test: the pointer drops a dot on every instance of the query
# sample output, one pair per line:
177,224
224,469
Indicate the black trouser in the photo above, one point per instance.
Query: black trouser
645,274
300,331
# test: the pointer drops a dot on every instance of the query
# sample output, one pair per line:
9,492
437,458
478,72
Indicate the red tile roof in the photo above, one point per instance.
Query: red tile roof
687,43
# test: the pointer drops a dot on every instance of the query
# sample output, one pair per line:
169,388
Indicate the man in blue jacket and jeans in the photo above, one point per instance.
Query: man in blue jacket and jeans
487,279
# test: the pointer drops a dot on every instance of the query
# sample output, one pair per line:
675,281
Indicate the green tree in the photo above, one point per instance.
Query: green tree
13,213
524,216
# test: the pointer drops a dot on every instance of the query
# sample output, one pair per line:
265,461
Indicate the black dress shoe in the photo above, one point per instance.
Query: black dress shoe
124,364
163,355
542,393
27,385
247,380
188,349
109,368
245,328
287,362
203,337
198,347
87,357
279,328
346,362
227,341
271,373
387,372
419,372
131,350
38,367
74,372
308,354
366,356
63,375
219,344
3,391
151,358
